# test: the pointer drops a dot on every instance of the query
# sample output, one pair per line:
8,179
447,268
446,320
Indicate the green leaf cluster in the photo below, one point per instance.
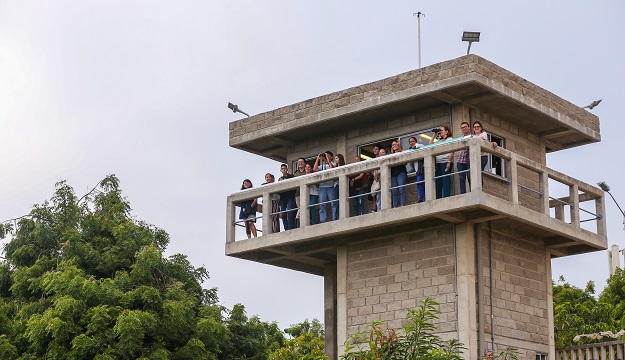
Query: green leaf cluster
83,279
415,340
306,342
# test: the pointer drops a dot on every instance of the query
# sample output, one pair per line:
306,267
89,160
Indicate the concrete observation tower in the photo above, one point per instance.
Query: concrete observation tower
484,255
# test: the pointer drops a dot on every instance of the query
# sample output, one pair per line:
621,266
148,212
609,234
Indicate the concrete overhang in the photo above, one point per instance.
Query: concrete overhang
307,249
469,80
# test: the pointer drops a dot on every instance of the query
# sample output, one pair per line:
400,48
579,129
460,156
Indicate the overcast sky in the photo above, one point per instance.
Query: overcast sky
140,88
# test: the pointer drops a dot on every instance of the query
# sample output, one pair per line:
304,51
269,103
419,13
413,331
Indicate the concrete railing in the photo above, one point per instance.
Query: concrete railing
612,350
533,185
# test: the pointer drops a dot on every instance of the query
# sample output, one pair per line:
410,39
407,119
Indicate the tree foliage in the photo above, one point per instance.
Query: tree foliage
83,279
578,312
306,342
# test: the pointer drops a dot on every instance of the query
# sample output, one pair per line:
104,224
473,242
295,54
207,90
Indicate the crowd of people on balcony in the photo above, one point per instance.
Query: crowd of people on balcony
286,204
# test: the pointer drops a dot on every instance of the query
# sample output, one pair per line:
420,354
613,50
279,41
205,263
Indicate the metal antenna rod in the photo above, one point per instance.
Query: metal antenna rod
418,15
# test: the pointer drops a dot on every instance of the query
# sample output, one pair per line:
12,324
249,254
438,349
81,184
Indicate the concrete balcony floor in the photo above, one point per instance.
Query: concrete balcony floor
309,247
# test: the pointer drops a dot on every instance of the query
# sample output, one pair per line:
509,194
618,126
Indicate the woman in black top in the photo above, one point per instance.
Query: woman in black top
248,211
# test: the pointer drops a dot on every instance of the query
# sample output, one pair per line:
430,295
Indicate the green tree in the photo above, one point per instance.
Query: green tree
577,311
307,342
82,279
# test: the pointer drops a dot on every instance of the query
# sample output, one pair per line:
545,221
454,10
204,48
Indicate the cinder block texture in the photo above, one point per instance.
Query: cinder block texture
519,290
387,276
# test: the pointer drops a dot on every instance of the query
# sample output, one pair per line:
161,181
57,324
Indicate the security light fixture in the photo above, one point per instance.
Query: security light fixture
592,105
606,188
470,36
236,109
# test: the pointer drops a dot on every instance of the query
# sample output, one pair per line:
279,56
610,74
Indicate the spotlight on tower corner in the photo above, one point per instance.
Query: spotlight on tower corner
471,37
235,109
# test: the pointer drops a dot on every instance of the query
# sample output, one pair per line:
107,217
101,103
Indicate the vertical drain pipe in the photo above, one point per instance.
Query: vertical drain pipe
481,341
490,259
456,282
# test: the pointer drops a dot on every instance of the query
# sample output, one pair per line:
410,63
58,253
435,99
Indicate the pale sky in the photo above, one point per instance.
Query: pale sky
140,88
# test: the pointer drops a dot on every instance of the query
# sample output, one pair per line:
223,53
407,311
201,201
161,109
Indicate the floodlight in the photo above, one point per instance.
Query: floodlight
236,109
471,37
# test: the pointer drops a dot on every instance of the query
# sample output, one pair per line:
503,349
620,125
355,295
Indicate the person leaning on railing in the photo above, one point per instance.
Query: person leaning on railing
326,188
463,163
314,196
444,165
399,177
357,189
248,211
480,133
275,205
417,167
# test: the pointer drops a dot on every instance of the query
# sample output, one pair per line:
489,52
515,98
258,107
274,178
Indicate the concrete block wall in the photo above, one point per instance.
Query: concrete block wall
520,291
283,117
389,275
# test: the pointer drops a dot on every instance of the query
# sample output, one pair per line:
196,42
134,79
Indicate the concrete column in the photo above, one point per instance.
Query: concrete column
266,222
600,211
329,305
385,185
465,262
304,210
230,218
544,188
512,171
428,175
550,324
574,201
341,298
614,260
476,167
343,195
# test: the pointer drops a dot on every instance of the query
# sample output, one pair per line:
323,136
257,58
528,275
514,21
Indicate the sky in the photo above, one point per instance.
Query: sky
140,89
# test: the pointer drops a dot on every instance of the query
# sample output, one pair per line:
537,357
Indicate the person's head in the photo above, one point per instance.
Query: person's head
308,169
477,127
376,150
356,158
247,184
301,163
394,147
465,128
269,178
445,131
329,154
339,160
284,169
382,152
412,141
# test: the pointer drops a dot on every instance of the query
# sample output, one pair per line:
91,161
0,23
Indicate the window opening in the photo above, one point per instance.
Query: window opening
496,165
365,151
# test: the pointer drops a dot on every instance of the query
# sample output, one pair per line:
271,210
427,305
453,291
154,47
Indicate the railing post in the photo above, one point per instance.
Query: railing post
600,211
574,201
304,201
475,159
230,213
343,197
266,221
385,185
428,177
512,169
544,188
